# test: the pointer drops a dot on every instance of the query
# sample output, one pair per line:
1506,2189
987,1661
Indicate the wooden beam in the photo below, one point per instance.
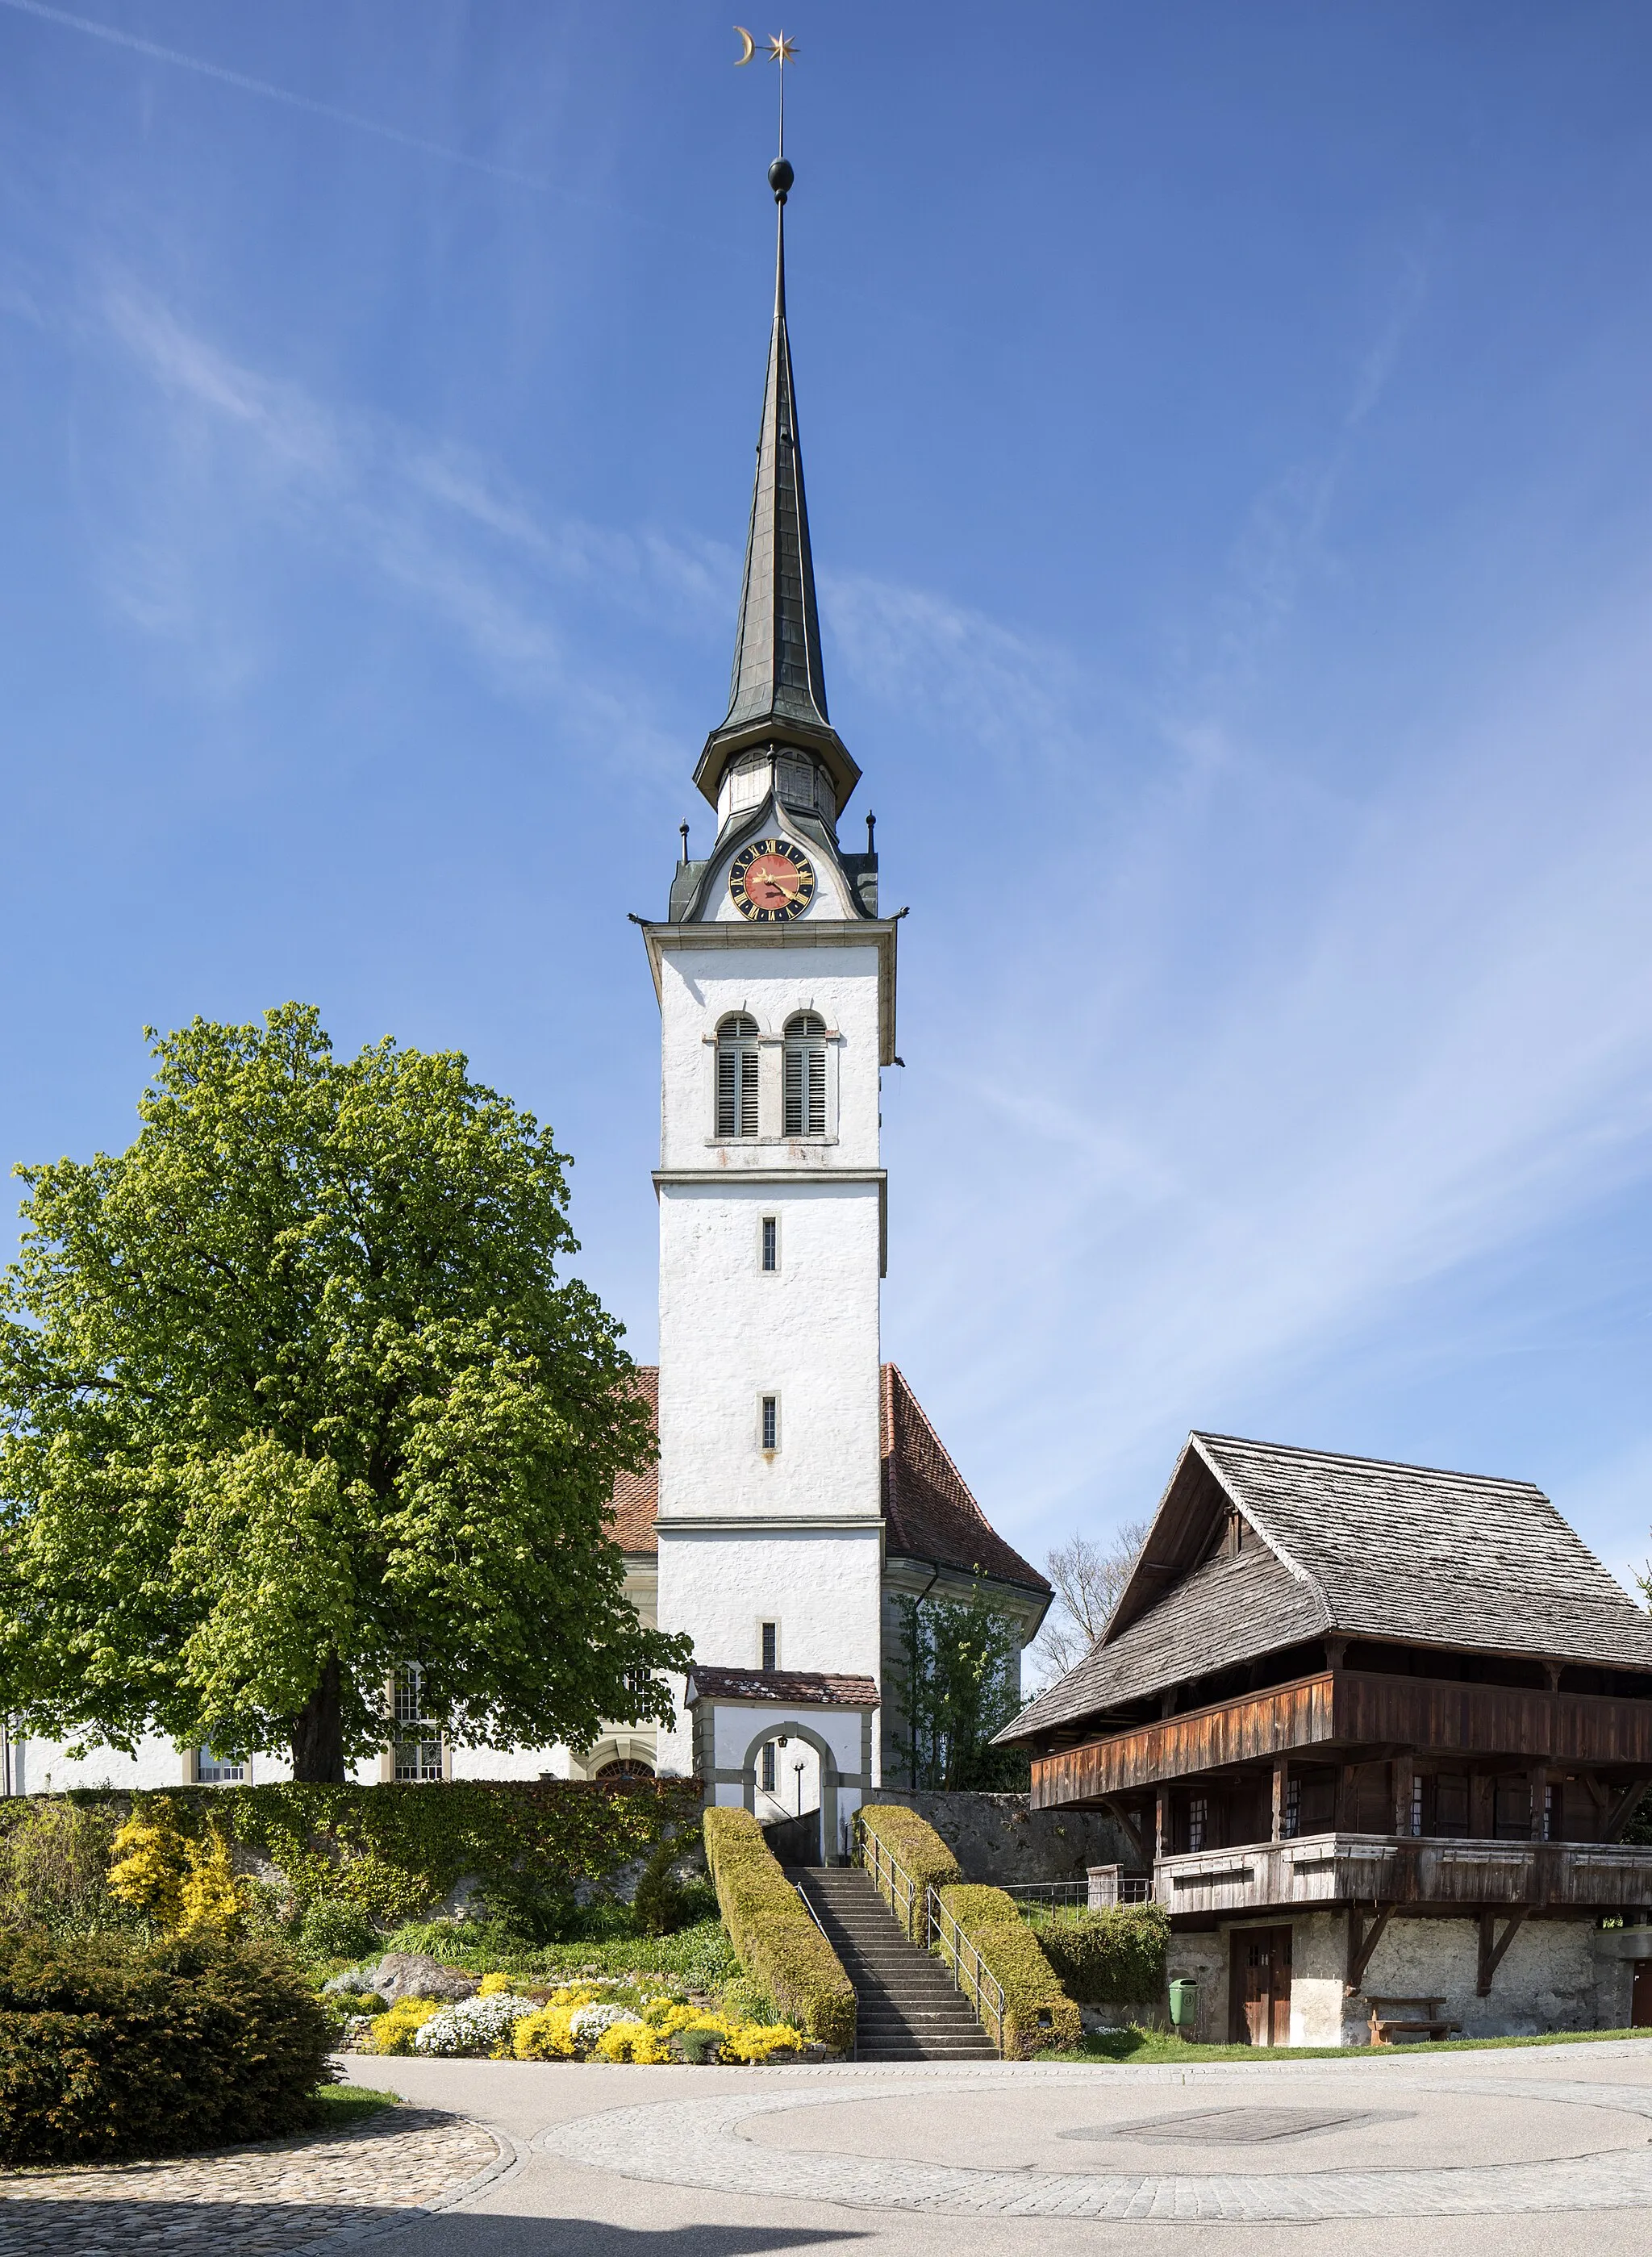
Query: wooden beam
1481,1788
1361,1945
1127,1826
1161,1823
1492,1947
1282,1786
1402,1773
1538,1782
1624,1809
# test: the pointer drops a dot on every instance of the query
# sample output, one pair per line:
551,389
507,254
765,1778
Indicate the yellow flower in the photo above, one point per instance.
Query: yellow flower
492,1985
393,2031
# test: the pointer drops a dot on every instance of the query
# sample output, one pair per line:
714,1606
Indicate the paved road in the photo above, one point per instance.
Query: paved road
1502,2154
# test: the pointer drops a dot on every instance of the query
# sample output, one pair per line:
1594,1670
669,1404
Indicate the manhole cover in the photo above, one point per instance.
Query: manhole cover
1236,2127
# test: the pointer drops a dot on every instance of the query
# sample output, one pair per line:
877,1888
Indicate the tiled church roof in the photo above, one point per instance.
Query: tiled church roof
926,1505
928,1509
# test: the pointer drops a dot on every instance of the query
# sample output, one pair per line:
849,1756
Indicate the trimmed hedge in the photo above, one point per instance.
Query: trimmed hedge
1038,2013
1113,1956
394,1850
776,1941
917,1849
121,2048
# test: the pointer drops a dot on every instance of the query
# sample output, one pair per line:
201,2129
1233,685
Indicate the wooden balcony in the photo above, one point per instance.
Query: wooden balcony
1388,1870
1345,1710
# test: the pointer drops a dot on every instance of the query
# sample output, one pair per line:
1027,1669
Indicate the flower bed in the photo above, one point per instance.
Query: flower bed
577,2021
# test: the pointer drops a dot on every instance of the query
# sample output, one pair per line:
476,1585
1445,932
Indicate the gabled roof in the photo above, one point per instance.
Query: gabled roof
928,1509
795,1687
1352,1545
928,1513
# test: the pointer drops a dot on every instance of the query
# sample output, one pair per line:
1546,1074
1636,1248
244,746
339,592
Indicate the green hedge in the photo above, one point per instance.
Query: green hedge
1110,1958
1038,2013
126,2048
394,1850
776,1942
917,1849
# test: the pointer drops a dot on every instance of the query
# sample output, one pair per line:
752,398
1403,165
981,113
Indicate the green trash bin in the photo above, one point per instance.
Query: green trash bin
1184,2004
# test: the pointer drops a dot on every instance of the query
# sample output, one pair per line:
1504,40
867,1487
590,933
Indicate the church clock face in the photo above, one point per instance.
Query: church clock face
771,881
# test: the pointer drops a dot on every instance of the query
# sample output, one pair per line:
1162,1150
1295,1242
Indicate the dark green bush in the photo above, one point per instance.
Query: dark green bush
119,2047
660,1905
1110,1958
779,1945
332,1930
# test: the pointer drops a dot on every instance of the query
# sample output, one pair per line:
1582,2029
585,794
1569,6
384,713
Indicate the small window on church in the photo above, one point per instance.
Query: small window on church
771,1241
771,1654
806,1075
737,1076
768,1767
771,1422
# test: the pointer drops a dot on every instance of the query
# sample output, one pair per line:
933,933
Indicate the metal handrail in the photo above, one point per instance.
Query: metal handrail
808,1907
969,1972
891,1880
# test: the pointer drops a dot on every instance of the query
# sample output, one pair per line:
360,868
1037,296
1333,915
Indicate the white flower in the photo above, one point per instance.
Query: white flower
472,2027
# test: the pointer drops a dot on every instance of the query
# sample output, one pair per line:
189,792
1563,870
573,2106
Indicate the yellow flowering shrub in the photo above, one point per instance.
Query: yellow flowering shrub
186,1885
393,2031
491,1986
549,2035
634,2042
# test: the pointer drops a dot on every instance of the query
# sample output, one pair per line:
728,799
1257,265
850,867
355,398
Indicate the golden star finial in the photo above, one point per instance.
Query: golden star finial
781,50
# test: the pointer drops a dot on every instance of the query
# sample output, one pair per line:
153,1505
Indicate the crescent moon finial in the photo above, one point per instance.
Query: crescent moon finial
747,42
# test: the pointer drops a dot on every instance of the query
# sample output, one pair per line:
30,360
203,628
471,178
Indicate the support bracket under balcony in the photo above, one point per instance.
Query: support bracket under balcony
1492,1946
1363,1941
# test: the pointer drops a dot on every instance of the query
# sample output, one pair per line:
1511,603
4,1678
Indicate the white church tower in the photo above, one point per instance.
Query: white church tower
776,981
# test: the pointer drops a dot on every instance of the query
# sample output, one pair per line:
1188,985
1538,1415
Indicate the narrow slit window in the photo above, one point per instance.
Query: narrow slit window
1293,1809
771,1422
1416,1806
737,1076
771,1647
771,1241
806,1075
1198,1821
768,1767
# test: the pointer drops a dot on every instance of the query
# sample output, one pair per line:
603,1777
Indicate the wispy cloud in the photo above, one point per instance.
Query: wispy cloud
238,450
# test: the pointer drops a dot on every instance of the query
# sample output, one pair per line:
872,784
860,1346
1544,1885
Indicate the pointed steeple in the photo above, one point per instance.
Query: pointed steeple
778,692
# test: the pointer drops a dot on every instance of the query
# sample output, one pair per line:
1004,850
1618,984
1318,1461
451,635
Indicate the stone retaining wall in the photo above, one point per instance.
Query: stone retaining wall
1002,1839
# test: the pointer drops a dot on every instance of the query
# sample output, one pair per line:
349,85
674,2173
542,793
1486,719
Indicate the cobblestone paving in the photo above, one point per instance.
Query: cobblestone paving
707,2143
319,2191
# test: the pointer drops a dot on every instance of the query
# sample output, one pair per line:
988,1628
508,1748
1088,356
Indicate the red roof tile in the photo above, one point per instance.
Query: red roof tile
795,1687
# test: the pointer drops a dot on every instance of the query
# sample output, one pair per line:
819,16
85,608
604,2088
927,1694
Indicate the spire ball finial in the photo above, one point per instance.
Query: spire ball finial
780,179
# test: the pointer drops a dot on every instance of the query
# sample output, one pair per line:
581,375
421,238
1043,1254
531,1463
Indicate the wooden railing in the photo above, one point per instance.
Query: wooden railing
929,1923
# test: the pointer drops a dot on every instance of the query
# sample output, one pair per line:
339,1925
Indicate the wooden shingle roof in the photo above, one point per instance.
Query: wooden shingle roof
1352,1545
928,1513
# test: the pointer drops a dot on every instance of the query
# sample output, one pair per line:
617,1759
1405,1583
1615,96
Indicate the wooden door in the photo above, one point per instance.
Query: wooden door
1261,1987
1641,1998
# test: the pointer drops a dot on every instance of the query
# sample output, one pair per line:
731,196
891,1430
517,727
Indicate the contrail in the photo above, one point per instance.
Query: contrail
268,93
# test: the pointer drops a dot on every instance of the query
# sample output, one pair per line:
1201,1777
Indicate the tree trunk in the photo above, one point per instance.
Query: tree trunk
318,1731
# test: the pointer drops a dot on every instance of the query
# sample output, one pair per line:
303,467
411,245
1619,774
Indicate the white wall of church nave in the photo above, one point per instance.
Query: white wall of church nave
730,1334
699,987
820,1585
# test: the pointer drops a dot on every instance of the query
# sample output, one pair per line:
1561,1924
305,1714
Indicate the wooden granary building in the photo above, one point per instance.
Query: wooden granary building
1377,1733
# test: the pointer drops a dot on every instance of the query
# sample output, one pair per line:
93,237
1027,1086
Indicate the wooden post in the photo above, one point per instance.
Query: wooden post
1402,1772
1161,1822
1281,1782
1538,1775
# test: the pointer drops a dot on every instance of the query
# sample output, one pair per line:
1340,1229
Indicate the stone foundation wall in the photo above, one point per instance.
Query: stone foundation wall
1203,1958
1002,1839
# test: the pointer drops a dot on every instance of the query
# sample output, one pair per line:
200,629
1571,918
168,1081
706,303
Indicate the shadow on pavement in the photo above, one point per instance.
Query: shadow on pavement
61,2229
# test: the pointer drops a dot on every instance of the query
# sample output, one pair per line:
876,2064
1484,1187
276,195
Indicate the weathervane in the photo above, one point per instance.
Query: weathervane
780,50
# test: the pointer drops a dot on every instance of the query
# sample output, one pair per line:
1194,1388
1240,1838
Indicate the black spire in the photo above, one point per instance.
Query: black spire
778,692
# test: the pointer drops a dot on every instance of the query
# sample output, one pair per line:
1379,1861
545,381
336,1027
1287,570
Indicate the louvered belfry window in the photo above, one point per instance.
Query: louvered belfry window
737,1077
806,1075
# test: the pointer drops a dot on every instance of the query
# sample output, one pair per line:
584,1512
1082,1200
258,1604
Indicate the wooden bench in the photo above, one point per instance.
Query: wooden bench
1389,2020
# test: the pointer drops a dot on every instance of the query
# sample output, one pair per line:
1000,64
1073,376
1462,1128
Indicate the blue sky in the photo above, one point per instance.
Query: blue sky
1229,461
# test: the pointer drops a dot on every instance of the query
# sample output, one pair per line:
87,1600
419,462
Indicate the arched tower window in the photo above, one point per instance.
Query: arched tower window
737,1076
806,1075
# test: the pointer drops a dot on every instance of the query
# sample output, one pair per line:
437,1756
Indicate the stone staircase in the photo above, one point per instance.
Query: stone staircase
907,2008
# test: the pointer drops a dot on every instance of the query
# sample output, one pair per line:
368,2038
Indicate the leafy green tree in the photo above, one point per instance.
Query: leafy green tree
291,1394
960,1683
